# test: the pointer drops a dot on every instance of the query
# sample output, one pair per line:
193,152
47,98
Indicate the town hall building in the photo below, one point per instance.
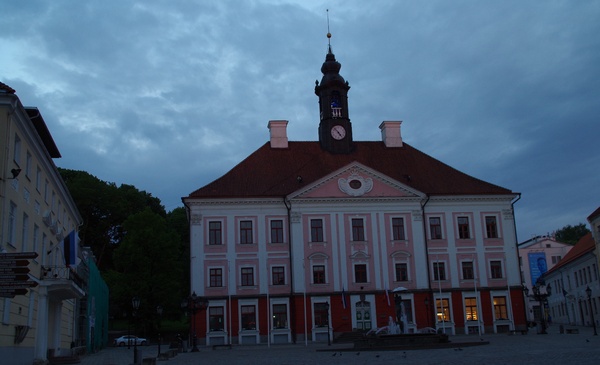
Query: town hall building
306,241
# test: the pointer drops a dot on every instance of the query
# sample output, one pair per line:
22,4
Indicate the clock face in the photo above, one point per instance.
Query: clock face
338,132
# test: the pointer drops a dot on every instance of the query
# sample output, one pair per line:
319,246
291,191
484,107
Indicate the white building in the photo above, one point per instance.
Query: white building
37,214
303,241
536,257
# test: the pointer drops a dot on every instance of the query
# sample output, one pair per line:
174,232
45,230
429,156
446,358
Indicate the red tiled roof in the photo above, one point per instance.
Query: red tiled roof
269,172
584,245
6,88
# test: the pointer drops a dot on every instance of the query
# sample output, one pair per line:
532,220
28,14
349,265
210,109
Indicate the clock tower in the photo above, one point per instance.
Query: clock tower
335,129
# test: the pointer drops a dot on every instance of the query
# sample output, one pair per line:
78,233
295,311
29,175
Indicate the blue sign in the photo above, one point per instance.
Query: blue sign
537,265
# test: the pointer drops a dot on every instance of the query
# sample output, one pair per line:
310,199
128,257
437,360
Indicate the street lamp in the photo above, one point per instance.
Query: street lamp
526,306
328,337
192,304
135,304
588,291
541,298
159,311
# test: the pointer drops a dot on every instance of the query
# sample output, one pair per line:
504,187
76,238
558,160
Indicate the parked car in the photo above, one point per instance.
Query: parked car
131,340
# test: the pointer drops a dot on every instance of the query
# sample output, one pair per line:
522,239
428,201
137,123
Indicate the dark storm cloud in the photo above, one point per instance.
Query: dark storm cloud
168,95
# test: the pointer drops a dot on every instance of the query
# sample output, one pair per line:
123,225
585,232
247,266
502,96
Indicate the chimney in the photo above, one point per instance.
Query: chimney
278,129
390,134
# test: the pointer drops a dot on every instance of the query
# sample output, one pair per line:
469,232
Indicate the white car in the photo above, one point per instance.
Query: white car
132,340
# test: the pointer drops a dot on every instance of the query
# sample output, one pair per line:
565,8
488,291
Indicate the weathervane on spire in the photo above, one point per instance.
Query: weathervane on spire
328,33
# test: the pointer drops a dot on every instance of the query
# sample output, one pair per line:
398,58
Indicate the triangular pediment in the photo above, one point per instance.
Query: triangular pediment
356,181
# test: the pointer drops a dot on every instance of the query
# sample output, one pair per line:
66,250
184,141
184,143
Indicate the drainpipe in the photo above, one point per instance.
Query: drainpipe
512,207
288,206
430,292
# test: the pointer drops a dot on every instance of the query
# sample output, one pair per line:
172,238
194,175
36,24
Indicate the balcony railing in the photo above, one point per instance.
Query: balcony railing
62,273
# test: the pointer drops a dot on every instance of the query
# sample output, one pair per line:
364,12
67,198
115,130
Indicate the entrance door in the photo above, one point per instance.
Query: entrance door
363,315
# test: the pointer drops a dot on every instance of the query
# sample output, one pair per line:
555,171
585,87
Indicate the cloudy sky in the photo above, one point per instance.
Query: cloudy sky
168,95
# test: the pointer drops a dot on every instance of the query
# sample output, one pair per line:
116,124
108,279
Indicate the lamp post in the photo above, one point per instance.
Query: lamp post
192,304
328,336
159,311
526,300
588,291
135,304
541,298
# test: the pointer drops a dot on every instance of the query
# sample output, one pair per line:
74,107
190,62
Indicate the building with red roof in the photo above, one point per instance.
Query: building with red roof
570,281
306,241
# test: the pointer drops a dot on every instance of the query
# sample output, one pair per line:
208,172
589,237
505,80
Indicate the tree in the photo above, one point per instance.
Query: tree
571,234
104,207
146,265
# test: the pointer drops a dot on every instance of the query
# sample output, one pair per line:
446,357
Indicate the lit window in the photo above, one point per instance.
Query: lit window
471,309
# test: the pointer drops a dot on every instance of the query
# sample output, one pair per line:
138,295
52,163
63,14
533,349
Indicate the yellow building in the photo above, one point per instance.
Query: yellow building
37,214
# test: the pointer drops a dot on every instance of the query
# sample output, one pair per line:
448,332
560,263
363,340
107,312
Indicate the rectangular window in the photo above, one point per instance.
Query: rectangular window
280,316
278,275
491,227
435,228
319,274
398,229
496,269
24,232
216,318
248,317
246,232
463,228
316,230
12,224
471,309
402,271
36,234
247,276
360,273
442,309
556,259
215,233
216,278
28,165
500,308
439,271
38,179
277,231
17,150
321,314
467,270
358,229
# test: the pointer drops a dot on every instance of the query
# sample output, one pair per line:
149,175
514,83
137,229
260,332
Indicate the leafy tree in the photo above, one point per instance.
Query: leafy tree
104,207
146,265
177,221
571,234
